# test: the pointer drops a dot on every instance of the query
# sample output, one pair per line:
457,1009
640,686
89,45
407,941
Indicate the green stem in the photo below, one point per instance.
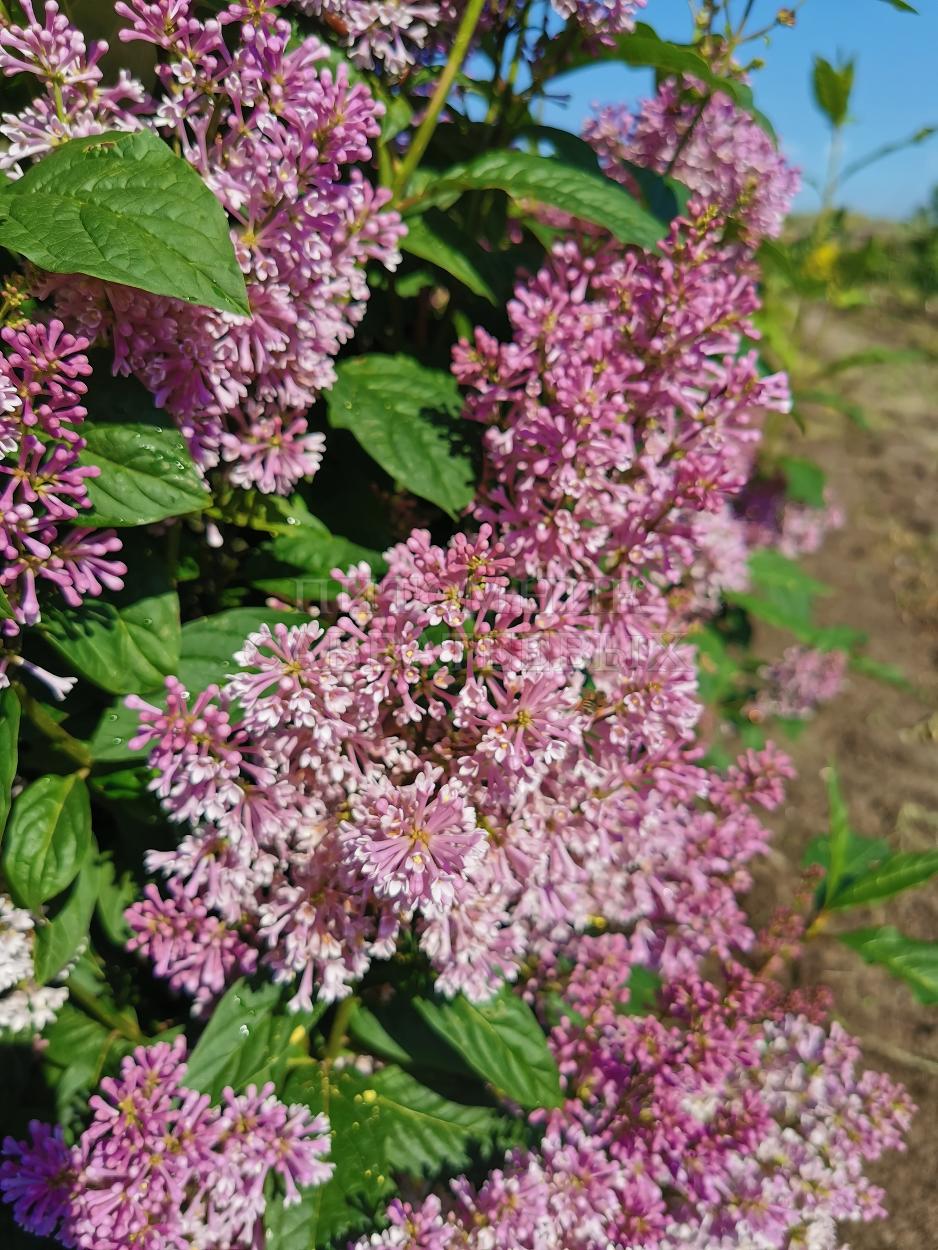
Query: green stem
420,141
63,740
339,1030
215,120
59,102
385,165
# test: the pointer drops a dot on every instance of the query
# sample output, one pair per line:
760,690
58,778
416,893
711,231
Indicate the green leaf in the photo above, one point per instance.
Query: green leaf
804,481
912,961
899,872
435,237
268,514
773,572
123,207
125,642
782,593
47,839
57,941
208,645
9,736
861,853
502,1041
716,668
244,1042
347,1204
901,6
523,175
298,568
890,674
115,894
407,418
643,985
210,642
146,473
832,89
839,835
422,1132
79,1051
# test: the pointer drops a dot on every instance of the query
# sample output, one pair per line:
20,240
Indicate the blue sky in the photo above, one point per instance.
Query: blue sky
896,91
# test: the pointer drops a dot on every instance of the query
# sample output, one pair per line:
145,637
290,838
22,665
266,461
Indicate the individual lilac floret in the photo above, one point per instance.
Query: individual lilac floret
414,843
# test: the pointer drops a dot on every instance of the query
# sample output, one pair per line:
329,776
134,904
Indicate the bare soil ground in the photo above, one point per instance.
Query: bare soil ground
883,572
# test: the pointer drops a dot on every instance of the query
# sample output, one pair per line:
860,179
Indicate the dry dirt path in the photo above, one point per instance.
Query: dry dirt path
883,573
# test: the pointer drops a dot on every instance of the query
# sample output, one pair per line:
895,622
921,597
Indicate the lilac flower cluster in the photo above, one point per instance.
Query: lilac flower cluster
798,683
42,483
771,519
25,1007
495,743
604,18
159,1166
382,35
394,36
708,144
724,1118
630,410
277,137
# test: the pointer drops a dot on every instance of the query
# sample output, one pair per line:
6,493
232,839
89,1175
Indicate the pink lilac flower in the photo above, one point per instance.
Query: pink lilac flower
42,486
197,952
160,1166
799,682
411,842
601,17
386,34
36,1179
714,148
304,220
729,1119
533,669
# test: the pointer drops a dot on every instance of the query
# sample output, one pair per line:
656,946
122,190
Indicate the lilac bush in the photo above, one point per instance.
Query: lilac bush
386,510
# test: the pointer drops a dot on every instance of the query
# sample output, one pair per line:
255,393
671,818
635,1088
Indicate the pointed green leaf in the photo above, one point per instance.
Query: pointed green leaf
47,839
244,1042
9,752
912,961
522,175
57,941
804,481
502,1041
126,642
146,472
899,872
123,207
435,237
833,86
407,418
